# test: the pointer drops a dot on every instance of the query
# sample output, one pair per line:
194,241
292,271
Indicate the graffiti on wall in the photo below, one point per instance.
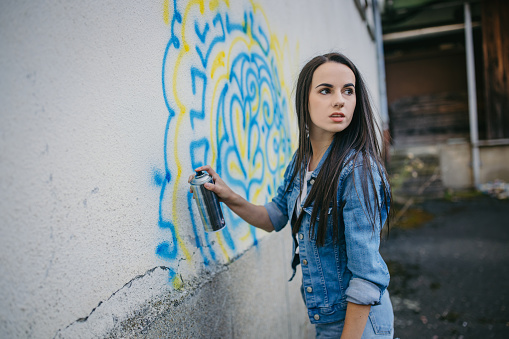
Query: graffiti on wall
225,85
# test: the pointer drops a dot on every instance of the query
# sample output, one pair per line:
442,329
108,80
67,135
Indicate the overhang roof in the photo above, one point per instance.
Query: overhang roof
425,16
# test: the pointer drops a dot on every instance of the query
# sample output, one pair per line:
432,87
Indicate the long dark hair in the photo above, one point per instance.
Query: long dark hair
359,138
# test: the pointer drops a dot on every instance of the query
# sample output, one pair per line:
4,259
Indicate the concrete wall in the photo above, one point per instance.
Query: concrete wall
456,164
105,110
494,163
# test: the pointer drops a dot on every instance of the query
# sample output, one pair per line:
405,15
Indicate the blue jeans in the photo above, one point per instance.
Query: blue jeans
380,324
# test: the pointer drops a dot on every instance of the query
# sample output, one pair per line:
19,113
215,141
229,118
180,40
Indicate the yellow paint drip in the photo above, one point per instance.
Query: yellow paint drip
220,132
234,167
214,4
218,62
257,167
190,4
240,136
177,282
166,11
268,116
222,246
247,235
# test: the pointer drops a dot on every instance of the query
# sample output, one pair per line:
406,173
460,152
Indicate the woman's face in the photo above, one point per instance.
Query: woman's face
332,99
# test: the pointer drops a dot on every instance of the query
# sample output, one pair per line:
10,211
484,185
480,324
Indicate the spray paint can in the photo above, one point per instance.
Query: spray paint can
208,203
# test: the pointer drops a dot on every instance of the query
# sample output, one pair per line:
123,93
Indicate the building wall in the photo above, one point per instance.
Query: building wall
106,110
456,164
427,94
425,74
494,163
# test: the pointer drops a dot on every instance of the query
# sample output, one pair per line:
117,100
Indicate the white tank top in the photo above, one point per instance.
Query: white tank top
302,198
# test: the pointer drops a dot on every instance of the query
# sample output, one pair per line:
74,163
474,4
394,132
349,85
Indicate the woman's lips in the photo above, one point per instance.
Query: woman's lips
337,117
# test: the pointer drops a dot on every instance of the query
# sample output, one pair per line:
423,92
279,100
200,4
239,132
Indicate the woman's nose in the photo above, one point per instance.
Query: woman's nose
339,101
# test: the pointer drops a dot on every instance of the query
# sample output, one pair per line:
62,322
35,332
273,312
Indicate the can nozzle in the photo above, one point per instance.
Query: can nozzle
200,173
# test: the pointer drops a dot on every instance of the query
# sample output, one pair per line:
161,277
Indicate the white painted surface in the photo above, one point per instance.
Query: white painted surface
82,129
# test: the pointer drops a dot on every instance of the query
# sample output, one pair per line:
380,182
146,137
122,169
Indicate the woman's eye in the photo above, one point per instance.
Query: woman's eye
324,91
349,91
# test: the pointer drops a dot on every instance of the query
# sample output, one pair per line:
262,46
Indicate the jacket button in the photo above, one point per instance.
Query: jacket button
312,181
309,289
304,262
317,317
301,236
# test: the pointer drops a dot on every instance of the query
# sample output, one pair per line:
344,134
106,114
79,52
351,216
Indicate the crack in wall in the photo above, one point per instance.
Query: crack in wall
135,317
126,285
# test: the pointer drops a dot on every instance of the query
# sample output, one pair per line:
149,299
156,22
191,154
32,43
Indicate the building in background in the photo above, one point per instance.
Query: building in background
447,70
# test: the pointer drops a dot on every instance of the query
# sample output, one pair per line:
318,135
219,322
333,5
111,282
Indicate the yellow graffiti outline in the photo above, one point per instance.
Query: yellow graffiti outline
180,116
219,62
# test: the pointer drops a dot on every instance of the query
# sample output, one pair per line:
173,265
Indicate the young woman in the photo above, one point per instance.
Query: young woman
336,196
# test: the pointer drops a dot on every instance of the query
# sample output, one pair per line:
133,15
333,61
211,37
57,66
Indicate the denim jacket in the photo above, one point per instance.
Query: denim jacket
350,270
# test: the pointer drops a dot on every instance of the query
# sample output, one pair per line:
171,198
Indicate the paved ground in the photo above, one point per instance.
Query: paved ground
450,274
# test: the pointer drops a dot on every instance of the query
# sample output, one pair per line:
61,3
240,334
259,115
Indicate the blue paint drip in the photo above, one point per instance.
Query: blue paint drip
201,35
166,251
195,149
216,40
171,275
158,177
194,114
265,48
177,17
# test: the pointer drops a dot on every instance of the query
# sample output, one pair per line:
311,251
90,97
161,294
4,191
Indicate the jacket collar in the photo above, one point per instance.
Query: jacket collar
317,169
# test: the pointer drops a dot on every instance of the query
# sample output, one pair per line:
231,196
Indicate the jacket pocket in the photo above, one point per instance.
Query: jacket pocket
381,316
328,236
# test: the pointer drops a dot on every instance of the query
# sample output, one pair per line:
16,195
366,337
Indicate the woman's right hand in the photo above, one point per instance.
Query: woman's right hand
252,214
223,191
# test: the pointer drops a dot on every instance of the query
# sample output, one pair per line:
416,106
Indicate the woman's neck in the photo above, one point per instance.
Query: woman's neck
319,146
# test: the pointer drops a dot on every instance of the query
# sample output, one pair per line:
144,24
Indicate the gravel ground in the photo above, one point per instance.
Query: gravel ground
450,273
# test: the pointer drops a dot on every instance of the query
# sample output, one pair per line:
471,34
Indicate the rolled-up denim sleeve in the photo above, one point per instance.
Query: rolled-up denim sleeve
370,275
278,218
